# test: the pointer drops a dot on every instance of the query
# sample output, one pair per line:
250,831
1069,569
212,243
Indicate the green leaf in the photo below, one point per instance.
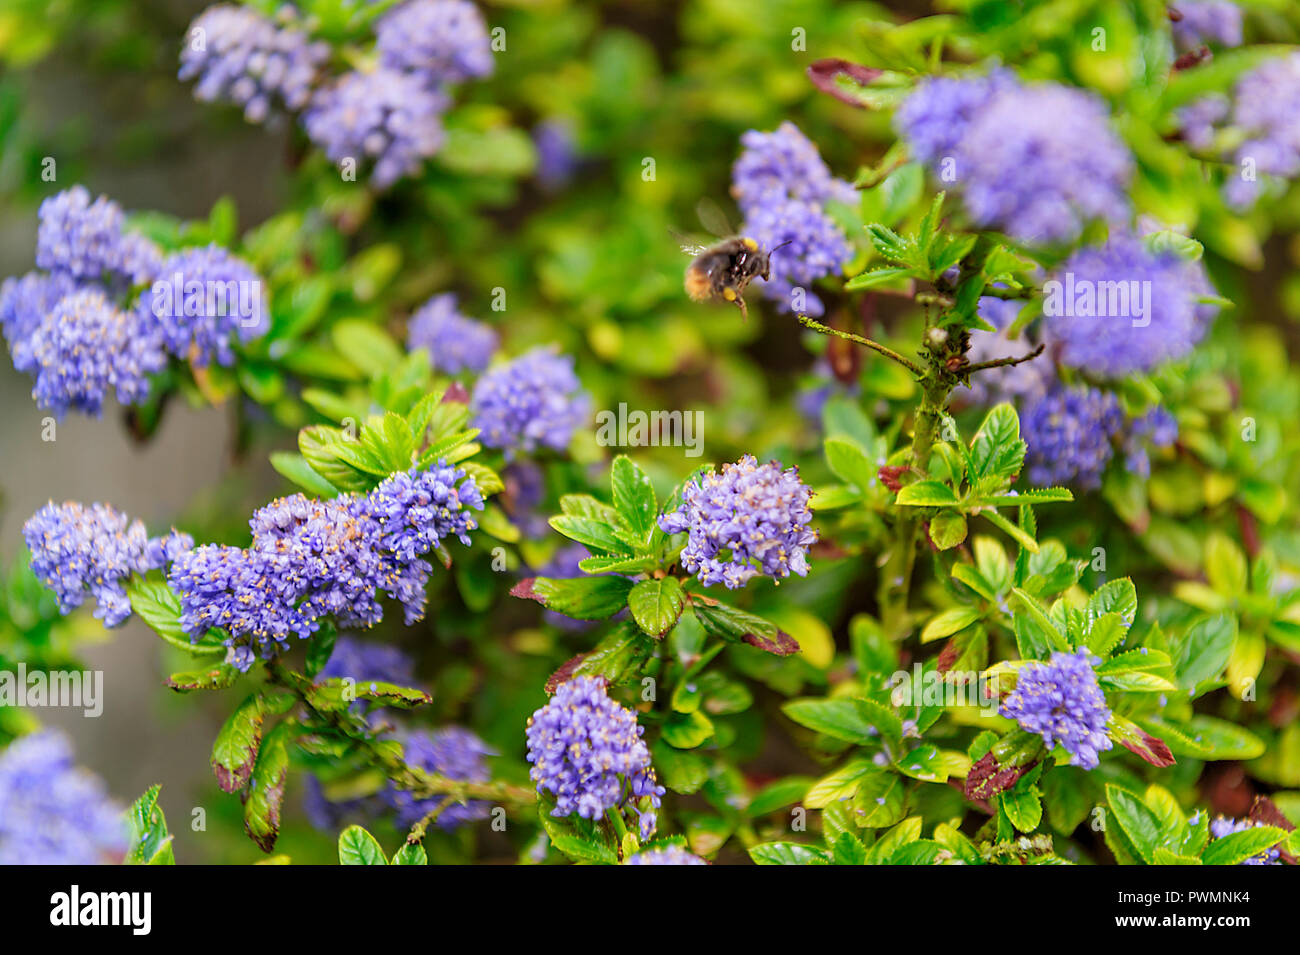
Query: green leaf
617,657
579,839
926,494
595,533
680,770
1225,565
877,277
411,854
948,529
1023,806
583,598
1139,823
1206,650
837,718
634,498
1237,847
737,625
788,853
266,786
235,748
296,469
849,462
949,622
359,847
687,730
215,678
150,842
160,608
656,604
366,345
878,801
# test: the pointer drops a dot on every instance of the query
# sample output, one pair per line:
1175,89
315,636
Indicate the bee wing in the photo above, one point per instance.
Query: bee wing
713,218
691,245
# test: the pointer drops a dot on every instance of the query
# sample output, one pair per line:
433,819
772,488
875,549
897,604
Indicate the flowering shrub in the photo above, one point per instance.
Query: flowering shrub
976,542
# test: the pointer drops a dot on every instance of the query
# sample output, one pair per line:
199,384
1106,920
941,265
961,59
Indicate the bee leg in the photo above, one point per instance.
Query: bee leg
740,304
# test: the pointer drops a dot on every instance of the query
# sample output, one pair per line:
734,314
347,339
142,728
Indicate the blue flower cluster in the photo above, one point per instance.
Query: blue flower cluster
1207,21
1119,308
452,752
534,401
86,239
245,58
52,812
587,751
455,343
781,184
388,113
667,855
1070,167
1070,432
1157,428
311,559
1223,827
749,521
78,550
203,299
1061,702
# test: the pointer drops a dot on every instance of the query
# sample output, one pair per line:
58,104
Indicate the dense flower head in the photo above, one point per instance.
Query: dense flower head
1061,702
455,343
78,550
749,521
1070,432
84,237
311,559
442,41
453,752
1207,21
587,751
1069,166
203,299
245,58
86,348
1266,115
24,303
534,401
1118,308
391,118
51,811
666,855
781,184
1222,827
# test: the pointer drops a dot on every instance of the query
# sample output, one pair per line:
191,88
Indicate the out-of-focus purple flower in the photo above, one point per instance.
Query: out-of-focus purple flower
452,752
364,662
534,401
441,41
1157,428
78,550
557,154
1061,702
1207,22
1222,827
24,303
1198,119
1266,115
811,399
749,521
1070,432
524,492
1014,383
455,343
1118,308
329,815
667,855
203,299
85,238
391,118
1070,167
51,811
86,347
587,751
781,184
243,57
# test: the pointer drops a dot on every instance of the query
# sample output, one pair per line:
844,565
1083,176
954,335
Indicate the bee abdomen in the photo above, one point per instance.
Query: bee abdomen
698,284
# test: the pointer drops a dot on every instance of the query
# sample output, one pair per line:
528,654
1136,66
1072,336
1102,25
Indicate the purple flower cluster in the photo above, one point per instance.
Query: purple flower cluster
1223,827
781,184
1118,308
52,812
245,58
203,298
85,238
77,550
1207,21
1265,107
749,521
311,559
587,751
1070,432
441,41
455,343
667,855
1061,702
364,662
1070,167
454,753
1157,428
534,401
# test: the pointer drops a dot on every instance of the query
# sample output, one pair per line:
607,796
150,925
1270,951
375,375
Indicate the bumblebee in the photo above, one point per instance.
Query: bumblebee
721,270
